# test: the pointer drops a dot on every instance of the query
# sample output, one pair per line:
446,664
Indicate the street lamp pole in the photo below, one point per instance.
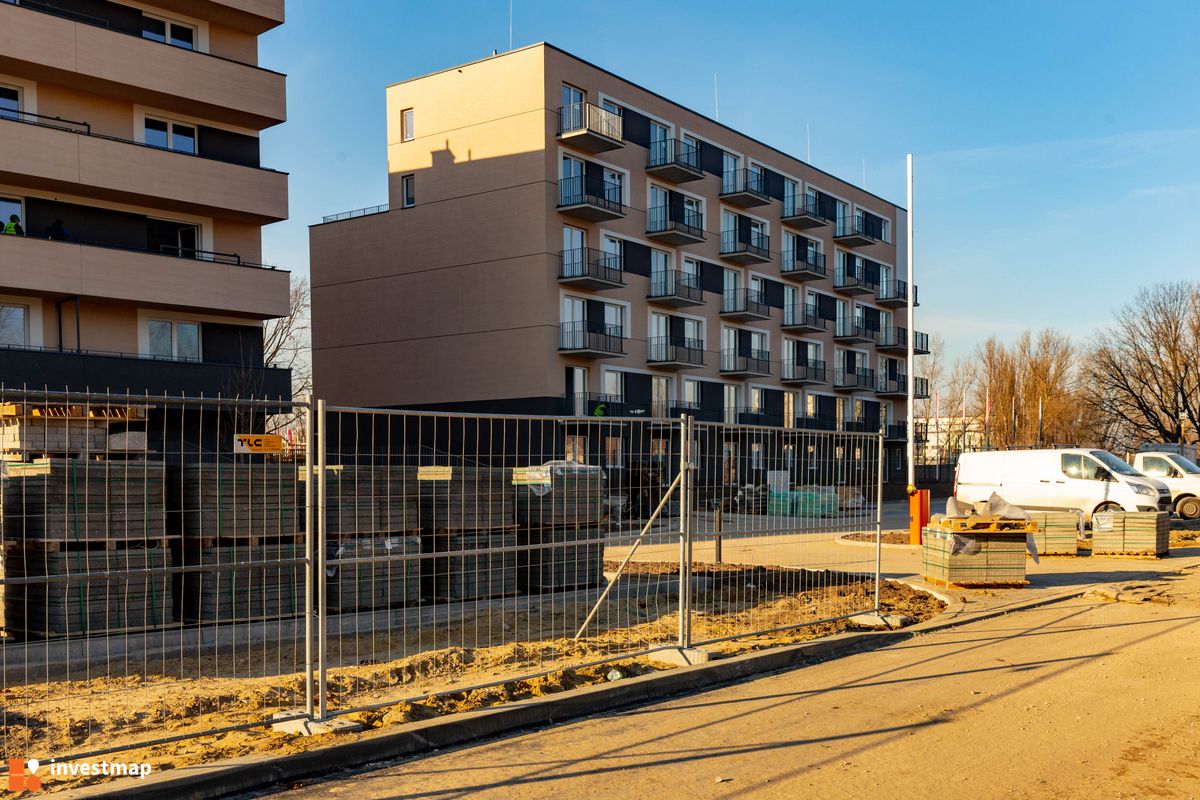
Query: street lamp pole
912,335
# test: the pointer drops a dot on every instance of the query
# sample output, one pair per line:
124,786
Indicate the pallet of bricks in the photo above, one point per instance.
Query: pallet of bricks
242,546
1146,534
978,551
1057,532
88,542
469,536
372,513
559,506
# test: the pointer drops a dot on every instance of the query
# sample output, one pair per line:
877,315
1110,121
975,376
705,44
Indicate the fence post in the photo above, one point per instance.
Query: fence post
308,557
878,521
322,622
685,532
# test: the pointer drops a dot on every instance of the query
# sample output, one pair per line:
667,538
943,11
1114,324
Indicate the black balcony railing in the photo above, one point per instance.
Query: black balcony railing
813,371
756,361
848,328
578,191
745,301
579,335
752,243
749,415
233,259
852,279
801,315
854,379
893,337
802,206
673,152
588,262
806,260
745,181
920,342
661,219
367,211
578,117
677,284
921,387
85,129
816,422
893,289
664,349
896,430
858,227
896,384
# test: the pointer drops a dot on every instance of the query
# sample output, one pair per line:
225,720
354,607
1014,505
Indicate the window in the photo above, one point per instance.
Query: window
1080,467
789,413
660,267
614,317
170,135
173,238
574,258
758,343
614,186
731,403
660,396
756,455
614,451
691,392
729,457
408,191
791,191
175,340
756,399
614,385
731,279
660,448
8,207
576,449
612,108
691,273
729,168
406,125
693,332
14,326
10,102
571,95
169,32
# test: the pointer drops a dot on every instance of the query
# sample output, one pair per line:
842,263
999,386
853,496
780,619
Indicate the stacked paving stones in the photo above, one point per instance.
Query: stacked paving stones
24,436
372,501
973,559
1057,533
1142,533
260,501
380,584
467,518
561,542
233,588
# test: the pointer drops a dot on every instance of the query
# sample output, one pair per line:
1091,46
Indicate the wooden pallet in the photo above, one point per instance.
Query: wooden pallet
57,545
238,540
977,585
989,523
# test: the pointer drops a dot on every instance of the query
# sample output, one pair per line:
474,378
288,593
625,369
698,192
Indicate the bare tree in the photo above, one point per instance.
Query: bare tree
1141,373
287,340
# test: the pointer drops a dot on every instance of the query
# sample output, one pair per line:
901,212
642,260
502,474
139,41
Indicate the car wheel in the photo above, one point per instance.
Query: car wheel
1188,507
1104,508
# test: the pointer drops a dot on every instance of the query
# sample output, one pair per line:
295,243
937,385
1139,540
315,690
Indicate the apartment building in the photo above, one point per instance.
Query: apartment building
129,152
559,240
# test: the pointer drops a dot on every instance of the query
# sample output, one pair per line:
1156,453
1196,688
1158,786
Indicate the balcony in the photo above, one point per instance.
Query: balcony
852,380
674,226
674,288
663,351
892,386
589,127
803,372
896,432
893,293
594,201
202,281
816,422
591,268
745,188
600,341
591,405
757,416
893,340
61,156
40,368
921,388
861,425
803,319
756,363
691,408
850,331
856,232
852,282
803,265
745,304
77,50
920,344
802,213
674,160
745,248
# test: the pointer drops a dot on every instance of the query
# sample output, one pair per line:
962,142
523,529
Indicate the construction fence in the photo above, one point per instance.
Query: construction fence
175,567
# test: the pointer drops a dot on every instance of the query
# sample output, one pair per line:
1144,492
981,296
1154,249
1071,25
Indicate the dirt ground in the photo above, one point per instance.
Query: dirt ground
1086,698
408,665
888,537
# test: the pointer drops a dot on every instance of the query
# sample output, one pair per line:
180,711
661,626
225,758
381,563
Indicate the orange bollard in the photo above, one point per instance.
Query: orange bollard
918,514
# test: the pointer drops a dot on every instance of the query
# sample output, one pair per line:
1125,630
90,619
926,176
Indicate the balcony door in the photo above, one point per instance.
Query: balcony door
659,331
732,394
693,333
660,272
574,259
574,312
571,96
571,181
10,105
577,386
729,168
660,396
659,134
659,213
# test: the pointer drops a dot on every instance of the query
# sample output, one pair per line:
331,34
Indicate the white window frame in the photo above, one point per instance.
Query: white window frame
175,323
27,305
408,118
406,182
171,123
199,30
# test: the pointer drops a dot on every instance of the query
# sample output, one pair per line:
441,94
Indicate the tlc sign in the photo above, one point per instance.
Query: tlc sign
245,443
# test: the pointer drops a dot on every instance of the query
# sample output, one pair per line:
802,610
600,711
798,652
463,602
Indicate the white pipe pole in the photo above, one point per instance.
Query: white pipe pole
912,335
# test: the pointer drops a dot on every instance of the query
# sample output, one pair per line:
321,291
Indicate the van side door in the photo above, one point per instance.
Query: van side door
1079,485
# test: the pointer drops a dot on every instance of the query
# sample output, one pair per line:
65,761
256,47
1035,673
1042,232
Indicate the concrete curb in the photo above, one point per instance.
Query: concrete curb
260,772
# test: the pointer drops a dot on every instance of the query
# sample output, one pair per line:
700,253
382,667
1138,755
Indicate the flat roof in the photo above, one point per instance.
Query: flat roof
654,93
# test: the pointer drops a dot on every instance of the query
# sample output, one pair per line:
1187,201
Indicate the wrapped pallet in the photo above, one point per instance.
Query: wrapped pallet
236,585
559,493
239,500
559,559
973,558
372,500
472,565
1123,533
390,582
460,498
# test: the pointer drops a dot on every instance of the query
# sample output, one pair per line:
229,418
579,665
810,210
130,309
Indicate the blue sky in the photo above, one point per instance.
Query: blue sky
1056,143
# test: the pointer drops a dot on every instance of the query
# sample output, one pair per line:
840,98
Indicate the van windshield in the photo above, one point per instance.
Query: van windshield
1185,464
1113,463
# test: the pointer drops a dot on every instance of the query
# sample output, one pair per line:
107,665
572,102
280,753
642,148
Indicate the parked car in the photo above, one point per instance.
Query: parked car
1065,479
1179,473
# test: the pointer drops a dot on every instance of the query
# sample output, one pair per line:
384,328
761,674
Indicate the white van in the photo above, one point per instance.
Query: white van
1179,473
1062,479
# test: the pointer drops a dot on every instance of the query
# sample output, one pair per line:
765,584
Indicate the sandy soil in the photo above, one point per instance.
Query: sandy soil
889,537
1086,698
397,665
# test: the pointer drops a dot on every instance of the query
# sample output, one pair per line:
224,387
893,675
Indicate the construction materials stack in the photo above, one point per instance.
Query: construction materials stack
559,508
1057,532
977,547
1146,534
469,539
89,539
373,514
243,541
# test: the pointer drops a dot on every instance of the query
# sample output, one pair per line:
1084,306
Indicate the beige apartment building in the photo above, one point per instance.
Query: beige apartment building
559,240
129,153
